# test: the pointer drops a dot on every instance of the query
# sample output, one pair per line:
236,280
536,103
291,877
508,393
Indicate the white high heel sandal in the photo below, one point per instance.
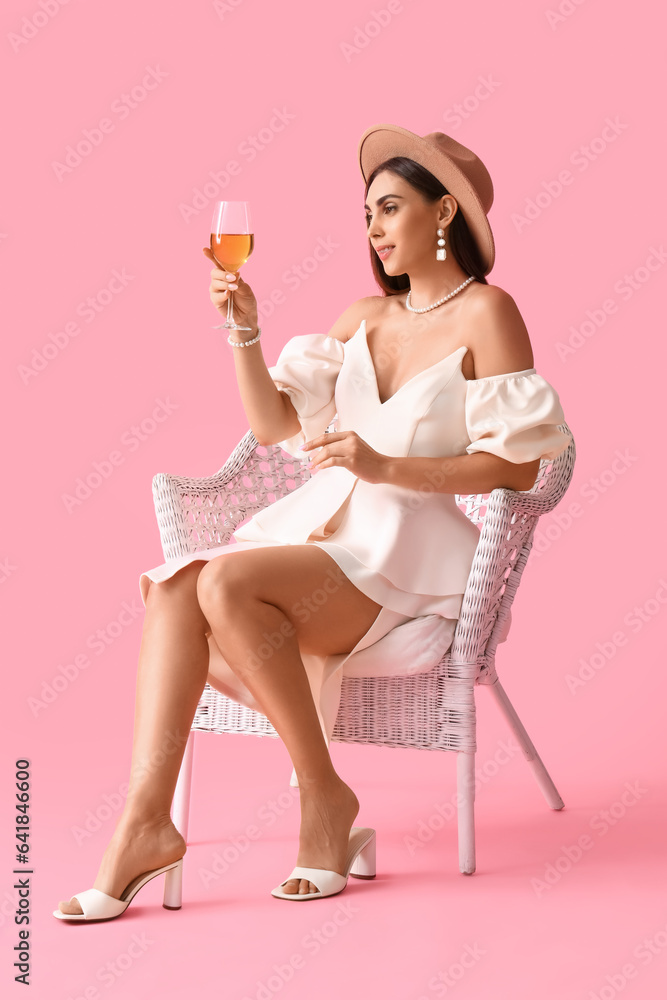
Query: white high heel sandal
97,905
360,863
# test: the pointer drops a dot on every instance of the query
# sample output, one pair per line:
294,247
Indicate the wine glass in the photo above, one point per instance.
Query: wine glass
232,242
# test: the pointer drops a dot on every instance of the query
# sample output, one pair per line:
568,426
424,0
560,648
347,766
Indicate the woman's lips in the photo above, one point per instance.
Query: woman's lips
383,254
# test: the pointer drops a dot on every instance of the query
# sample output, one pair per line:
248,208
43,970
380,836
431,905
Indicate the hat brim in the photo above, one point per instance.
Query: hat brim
380,142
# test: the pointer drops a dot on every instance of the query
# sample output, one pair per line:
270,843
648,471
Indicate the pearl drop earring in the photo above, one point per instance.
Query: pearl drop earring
441,253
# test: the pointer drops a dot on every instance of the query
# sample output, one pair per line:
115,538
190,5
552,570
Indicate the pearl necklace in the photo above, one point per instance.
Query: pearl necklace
440,301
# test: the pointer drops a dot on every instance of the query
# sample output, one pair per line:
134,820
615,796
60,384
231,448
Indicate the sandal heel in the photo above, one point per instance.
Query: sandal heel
173,887
364,863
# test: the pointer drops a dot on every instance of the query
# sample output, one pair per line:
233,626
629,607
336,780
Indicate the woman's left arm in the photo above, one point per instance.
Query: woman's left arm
480,472
463,474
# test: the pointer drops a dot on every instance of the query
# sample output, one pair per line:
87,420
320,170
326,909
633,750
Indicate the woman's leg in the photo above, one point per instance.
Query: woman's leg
300,595
172,671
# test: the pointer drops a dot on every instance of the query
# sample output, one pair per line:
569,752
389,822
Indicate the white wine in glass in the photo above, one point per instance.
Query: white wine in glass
232,242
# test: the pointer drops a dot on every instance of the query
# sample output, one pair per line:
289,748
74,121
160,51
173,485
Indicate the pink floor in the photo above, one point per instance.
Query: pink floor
563,904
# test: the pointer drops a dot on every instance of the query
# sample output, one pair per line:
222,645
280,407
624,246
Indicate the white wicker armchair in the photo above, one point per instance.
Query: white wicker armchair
433,710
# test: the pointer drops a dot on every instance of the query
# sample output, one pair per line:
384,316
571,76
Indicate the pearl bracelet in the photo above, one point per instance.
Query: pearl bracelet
245,343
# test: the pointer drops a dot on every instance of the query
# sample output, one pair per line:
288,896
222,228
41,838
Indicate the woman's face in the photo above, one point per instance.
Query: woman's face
398,216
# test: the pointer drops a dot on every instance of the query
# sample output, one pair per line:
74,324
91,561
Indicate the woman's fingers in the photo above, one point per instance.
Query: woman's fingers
219,274
224,282
223,279
219,285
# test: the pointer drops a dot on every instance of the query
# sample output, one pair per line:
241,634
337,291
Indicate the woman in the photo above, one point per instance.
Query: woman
436,394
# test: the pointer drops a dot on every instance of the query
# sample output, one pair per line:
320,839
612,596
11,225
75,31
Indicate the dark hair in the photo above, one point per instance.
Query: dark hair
461,244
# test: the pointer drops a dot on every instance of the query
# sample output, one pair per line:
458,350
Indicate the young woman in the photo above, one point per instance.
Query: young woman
435,394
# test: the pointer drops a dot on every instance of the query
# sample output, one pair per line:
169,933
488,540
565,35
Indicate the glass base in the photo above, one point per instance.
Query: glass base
230,326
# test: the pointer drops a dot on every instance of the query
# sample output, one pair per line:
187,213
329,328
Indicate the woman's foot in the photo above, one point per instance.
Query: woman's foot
135,847
328,812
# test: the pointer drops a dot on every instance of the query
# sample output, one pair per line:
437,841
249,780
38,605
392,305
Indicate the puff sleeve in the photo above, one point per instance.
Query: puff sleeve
514,416
307,369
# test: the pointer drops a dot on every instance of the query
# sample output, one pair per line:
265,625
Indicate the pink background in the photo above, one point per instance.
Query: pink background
596,584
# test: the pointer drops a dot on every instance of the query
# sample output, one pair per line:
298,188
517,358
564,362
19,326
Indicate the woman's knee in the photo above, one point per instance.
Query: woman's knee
182,581
221,580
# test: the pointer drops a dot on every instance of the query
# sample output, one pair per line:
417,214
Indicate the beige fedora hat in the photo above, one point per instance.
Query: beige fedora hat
457,167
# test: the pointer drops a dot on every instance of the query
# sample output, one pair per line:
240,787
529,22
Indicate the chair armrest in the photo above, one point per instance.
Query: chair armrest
505,542
197,513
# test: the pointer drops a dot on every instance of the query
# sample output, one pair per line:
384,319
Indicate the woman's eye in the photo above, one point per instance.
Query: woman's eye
386,208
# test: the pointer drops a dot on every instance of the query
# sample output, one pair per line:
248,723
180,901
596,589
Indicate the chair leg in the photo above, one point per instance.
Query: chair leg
180,814
465,780
530,753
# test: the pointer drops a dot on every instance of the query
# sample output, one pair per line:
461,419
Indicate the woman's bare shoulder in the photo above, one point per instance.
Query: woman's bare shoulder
349,321
497,334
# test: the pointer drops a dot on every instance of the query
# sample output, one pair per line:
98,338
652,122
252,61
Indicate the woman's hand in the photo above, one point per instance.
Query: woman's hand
346,448
245,303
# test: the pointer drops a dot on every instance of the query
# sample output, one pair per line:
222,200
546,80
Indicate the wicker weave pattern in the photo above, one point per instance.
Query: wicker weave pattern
197,514
434,710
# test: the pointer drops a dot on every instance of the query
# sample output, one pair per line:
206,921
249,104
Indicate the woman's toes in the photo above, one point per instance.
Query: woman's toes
67,906
300,885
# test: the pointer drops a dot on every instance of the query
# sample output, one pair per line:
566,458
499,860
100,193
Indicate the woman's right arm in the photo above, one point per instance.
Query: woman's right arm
268,410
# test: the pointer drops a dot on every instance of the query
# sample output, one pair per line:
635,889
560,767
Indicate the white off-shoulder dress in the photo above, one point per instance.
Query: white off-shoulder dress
409,550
